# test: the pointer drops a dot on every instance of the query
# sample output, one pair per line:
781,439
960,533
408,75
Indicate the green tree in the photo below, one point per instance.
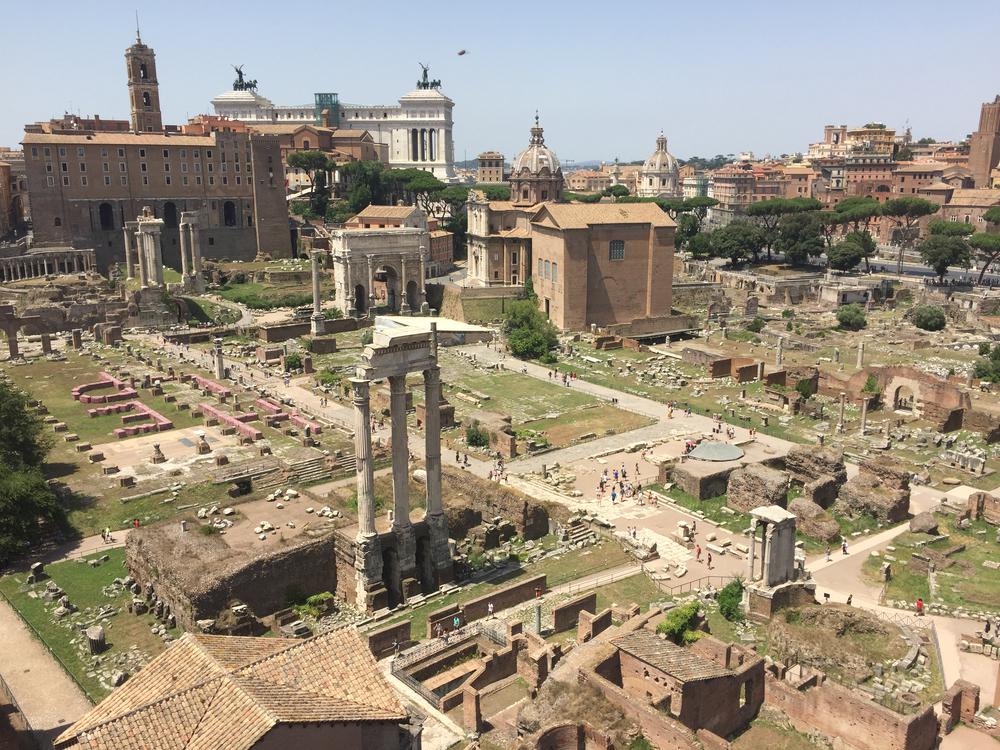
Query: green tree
805,388
986,250
941,251
529,290
679,623
738,240
988,367
851,317
858,212
529,332
616,191
700,246
756,325
928,317
865,243
316,166
768,214
417,187
698,207
871,385
844,256
293,362
730,597
904,213
23,440
799,237
943,228
687,227
26,499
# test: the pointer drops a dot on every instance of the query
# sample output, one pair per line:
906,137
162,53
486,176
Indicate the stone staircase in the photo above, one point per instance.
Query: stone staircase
577,532
309,470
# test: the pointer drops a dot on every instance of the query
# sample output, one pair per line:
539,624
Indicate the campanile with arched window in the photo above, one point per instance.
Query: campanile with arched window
143,88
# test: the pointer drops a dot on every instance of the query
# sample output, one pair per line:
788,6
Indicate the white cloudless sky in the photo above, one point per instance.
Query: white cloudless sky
606,77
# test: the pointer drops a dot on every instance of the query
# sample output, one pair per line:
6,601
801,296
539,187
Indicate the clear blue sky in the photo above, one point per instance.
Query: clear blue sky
717,77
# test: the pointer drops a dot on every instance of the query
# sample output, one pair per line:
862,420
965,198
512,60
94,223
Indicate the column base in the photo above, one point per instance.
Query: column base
437,526
406,549
371,591
425,309
352,312
318,325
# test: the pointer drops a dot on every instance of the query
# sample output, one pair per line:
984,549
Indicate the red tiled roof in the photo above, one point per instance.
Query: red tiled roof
209,692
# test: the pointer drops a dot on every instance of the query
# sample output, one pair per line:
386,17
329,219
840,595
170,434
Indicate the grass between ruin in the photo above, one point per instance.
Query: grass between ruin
569,566
765,732
965,584
261,296
128,636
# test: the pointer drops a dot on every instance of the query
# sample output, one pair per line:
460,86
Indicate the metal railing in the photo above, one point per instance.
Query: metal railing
576,587
695,584
490,629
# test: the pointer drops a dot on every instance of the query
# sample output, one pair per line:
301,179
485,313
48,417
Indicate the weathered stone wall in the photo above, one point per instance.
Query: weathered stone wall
806,463
756,485
688,476
857,722
812,520
985,422
476,609
198,575
566,615
880,489
530,518
568,736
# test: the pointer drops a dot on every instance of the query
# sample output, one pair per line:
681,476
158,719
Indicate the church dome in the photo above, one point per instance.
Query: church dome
660,160
537,156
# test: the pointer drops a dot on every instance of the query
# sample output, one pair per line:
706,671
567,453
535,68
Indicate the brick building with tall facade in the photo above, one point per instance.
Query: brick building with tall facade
984,144
605,264
86,182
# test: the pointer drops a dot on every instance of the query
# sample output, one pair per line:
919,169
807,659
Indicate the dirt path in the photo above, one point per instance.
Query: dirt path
48,697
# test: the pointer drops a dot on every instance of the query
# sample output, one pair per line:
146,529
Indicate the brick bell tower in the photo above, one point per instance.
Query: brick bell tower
143,89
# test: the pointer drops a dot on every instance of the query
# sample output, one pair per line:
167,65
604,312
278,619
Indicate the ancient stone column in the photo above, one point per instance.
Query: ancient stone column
76,263
156,252
140,252
760,371
404,307
218,360
406,546
371,288
424,307
184,253
317,316
861,355
753,550
779,354
46,343
437,524
194,242
840,418
363,452
864,414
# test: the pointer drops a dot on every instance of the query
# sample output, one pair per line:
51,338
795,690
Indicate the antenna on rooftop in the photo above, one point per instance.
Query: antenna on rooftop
138,39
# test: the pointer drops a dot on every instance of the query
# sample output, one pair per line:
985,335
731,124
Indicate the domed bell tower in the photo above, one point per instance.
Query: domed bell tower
143,89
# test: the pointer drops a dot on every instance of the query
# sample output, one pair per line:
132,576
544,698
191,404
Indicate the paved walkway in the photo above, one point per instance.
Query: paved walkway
48,697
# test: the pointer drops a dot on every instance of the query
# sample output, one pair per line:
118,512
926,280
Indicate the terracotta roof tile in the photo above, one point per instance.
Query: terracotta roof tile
209,692
582,215
668,657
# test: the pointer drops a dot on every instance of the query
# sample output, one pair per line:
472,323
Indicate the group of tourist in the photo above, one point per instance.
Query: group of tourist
499,471
565,377
620,485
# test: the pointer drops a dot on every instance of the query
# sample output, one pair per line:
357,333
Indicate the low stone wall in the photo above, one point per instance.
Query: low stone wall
698,484
476,609
383,641
857,722
568,736
566,615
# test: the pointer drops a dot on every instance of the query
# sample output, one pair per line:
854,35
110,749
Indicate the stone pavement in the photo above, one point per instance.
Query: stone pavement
48,697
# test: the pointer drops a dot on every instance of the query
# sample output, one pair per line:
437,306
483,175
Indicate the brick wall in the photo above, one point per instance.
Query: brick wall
381,641
566,615
476,609
859,723
589,625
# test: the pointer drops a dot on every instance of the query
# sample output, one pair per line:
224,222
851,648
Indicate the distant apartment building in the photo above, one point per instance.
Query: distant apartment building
489,168
736,186
694,186
20,205
840,140
588,181
86,183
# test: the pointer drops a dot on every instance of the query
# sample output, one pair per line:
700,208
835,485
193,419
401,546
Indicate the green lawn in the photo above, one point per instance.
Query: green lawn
261,296
965,584
84,586
637,589
568,567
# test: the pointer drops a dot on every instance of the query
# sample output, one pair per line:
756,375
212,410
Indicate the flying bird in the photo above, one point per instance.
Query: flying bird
462,52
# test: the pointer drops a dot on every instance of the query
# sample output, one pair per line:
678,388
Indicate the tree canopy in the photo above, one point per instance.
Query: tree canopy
25,497
986,249
928,317
950,228
905,212
844,256
799,237
941,251
851,317
767,214
530,335
738,241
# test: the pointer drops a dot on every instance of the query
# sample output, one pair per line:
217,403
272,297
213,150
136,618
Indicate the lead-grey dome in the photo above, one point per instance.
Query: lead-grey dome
537,156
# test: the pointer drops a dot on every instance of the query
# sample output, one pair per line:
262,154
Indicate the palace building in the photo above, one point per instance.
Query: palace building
85,180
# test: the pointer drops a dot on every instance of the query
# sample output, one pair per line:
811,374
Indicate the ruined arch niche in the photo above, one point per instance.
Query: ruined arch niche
106,216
